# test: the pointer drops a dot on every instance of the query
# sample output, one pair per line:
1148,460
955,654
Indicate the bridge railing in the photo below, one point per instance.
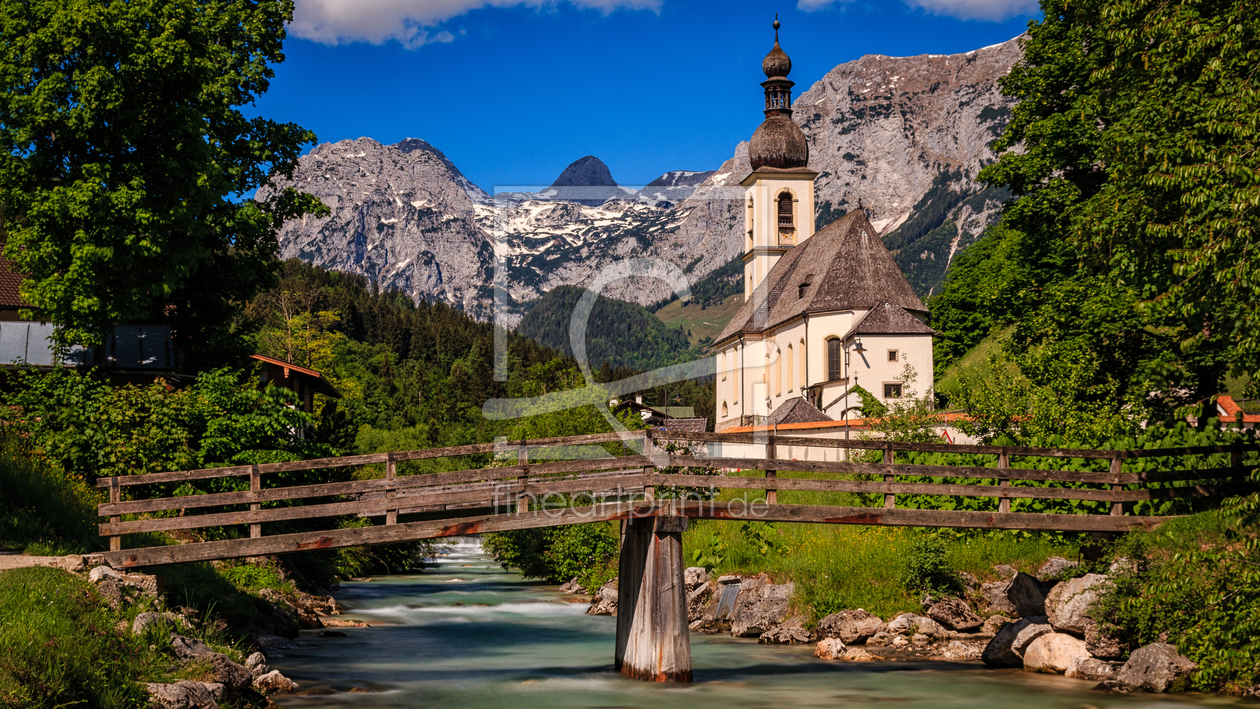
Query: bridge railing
518,494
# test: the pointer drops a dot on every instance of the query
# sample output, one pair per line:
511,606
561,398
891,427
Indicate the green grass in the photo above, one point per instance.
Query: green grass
973,365
43,511
700,322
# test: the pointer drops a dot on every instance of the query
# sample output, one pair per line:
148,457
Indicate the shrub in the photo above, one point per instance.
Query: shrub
41,508
925,567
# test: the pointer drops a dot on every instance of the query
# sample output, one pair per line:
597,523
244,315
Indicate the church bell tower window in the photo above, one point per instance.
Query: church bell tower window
787,227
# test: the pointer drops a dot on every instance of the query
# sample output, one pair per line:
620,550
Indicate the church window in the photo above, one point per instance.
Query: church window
778,372
722,365
834,360
892,355
785,210
791,353
725,412
892,391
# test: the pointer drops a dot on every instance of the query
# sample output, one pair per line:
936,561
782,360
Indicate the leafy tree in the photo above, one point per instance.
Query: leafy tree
1138,185
123,156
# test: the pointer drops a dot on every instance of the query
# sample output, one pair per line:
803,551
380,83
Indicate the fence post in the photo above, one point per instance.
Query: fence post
1117,508
649,491
522,459
255,484
1004,462
890,500
391,471
115,496
1235,460
772,493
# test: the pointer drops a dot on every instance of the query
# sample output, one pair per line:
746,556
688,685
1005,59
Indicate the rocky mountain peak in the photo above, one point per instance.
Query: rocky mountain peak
588,171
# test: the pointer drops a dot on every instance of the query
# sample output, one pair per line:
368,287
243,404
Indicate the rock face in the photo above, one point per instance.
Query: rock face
605,600
229,674
1154,668
188,648
760,608
1026,594
257,665
1069,603
905,135
792,632
1053,653
1036,627
1103,643
572,587
1000,652
1055,566
994,594
149,619
850,626
955,615
910,624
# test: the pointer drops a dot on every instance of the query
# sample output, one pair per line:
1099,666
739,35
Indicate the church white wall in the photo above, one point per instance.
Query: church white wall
873,369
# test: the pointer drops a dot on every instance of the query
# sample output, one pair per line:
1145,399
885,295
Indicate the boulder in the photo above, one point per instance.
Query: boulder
792,632
1027,596
257,664
694,577
184,694
188,648
959,650
274,683
1091,668
1158,667
1104,642
881,638
955,614
148,619
1036,627
1000,651
857,654
994,594
697,601
1005,571
605,600
993,624
229,674
1054,567
851,626
1069,603
572,587
148,584
968,580
110,591
910,624
267,641
101,573
920,639
760,608
1053,653
829,648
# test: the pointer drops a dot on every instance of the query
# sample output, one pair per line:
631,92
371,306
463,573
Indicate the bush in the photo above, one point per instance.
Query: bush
926,569
587,552
41,508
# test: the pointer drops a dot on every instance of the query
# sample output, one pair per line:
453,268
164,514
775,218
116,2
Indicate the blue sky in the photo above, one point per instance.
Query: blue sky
514,91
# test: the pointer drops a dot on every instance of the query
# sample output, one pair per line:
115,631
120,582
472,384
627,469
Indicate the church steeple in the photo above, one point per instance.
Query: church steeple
777,65
778,142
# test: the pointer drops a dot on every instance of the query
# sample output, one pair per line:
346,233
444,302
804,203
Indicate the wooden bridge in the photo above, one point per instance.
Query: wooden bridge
630,478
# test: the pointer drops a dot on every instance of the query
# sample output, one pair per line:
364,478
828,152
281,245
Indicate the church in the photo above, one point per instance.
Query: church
824,311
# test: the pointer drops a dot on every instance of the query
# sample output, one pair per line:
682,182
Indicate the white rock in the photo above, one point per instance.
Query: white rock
830,648
104,572
274,683
1053,653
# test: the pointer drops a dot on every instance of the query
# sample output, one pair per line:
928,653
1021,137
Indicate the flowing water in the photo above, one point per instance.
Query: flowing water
469,634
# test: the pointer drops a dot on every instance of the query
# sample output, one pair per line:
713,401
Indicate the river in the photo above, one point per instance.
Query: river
516,644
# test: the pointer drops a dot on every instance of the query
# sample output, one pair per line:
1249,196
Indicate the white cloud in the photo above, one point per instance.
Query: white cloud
992,10
410,22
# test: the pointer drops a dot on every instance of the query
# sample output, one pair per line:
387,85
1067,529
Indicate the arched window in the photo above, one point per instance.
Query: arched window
778,372
725,413
722,365
785,211
835,359
739,374
791,353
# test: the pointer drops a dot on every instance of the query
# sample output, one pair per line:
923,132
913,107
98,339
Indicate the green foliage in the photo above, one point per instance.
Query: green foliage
1196,583
587,552
619,333
43,510
872,407
124,154
926,569
764,538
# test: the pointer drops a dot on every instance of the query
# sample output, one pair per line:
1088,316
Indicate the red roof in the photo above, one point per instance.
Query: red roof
322,385
943,418
1230,410
10,282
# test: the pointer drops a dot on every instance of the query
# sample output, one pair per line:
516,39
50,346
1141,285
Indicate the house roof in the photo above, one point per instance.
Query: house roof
686,425
889,319
796,410
319,383
10,282
947,417
844,265
1231,410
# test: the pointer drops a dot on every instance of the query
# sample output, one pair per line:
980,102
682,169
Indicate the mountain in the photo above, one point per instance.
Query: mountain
904,136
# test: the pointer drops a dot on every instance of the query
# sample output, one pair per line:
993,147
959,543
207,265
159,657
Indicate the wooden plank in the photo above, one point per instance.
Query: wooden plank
1004,462
890,500
879,445
953,471
772,493
391,472
255,484
1117,507
177,476
337,538
115,494
1191,450
522,459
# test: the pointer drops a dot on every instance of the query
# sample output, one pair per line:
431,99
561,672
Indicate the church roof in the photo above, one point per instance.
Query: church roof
889,319
843,266
796,410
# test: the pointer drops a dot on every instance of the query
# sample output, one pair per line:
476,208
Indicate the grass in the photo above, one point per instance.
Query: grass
61,646
700,322
43,511
973,365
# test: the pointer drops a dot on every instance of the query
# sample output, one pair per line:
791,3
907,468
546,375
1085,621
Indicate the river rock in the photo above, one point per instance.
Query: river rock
1054,567
1053,653
857,654
1158,667
760,609
101,573
268,641
1036,627
694,577
829,648
881,638
257,664
1104,642
274,683
1000,652
149,619
1091,668
230,674
1005,571
792,632
993,624
573,587
605,600
1027,596
911,623
994,594
697,601
954,614
1069,603
851,626
188,648
959,650
184,694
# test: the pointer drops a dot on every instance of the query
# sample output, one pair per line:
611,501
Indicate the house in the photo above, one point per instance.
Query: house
668,418
824,311
304,382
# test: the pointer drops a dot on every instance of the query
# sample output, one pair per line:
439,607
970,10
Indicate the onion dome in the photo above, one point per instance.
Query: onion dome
777,63
778,141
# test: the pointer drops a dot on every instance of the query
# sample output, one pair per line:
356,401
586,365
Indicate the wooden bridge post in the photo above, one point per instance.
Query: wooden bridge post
255,484
890,500
115,496
772,493
1117,508
649,491
1004,462
522,459
653,641
391,471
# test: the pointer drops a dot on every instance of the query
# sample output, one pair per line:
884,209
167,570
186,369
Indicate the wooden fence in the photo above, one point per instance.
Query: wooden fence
518,494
